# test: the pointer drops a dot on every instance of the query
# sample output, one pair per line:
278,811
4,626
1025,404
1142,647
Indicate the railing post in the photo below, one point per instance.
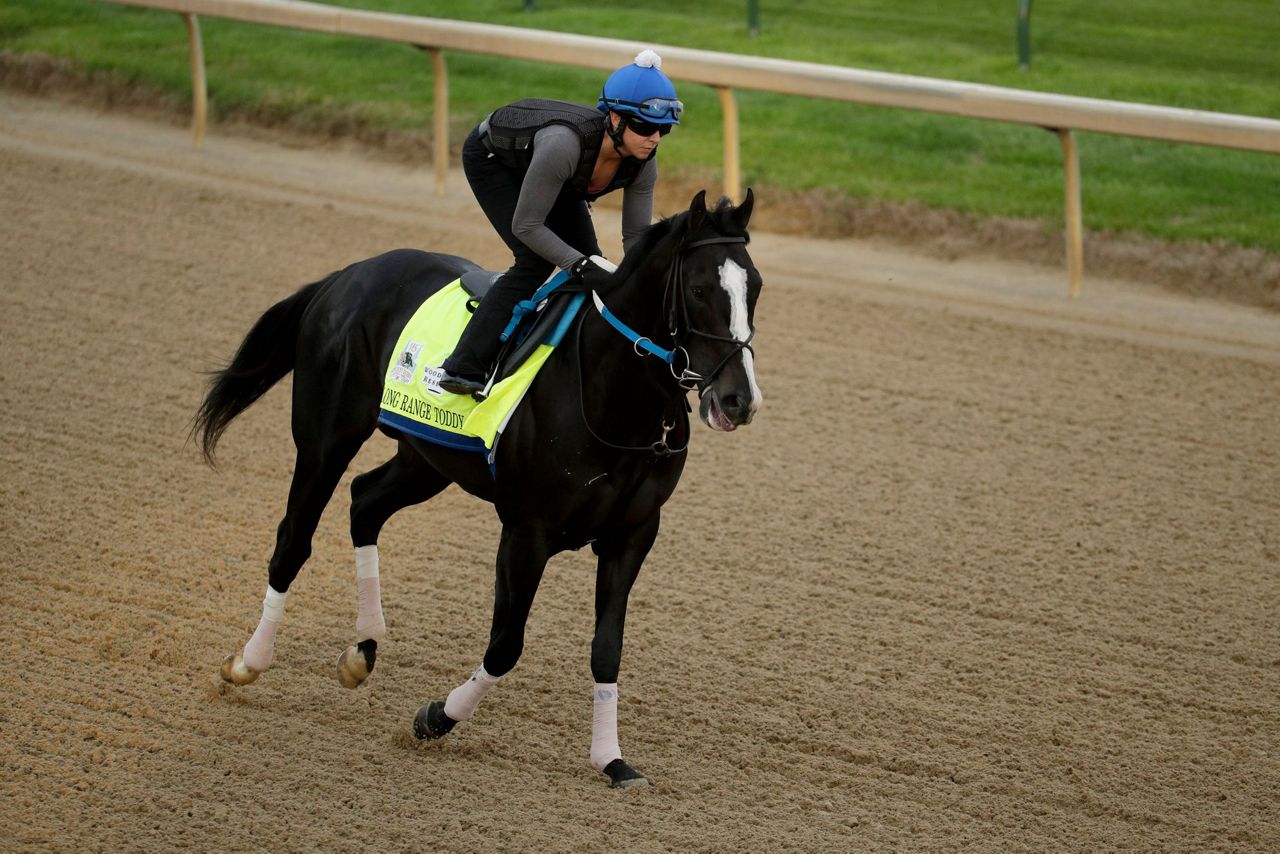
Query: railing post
199,88
732,173
440,118
1075,227
1024,34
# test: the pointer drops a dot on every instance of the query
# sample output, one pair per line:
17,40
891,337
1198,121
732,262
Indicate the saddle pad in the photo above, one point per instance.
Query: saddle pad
412,400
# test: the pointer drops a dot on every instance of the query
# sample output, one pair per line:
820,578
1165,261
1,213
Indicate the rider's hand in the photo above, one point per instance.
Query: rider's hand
595,272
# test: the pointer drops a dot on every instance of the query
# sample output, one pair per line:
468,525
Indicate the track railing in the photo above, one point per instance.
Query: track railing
1061,114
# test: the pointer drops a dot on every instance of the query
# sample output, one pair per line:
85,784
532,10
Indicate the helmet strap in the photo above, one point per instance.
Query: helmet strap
614,131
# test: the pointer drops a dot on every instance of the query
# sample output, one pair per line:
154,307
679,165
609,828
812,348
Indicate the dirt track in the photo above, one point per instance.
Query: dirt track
992,570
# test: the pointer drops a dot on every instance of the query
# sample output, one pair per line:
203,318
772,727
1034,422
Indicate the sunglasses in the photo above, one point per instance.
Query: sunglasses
643,128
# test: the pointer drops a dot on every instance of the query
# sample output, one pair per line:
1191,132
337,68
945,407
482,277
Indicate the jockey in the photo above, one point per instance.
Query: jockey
534,167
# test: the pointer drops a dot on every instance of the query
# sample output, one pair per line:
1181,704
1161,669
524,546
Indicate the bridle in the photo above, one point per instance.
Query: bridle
675,303
675,310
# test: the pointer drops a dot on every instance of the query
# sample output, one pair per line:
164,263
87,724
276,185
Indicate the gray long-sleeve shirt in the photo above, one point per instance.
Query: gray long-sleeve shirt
556,150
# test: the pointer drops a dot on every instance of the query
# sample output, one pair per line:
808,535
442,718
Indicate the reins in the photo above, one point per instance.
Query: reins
659,448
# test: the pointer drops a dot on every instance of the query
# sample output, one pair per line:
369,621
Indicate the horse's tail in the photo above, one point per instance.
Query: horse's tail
264,357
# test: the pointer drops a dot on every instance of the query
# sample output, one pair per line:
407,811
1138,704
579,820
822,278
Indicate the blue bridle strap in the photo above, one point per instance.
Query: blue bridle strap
646,345
530,305
641,343
637,340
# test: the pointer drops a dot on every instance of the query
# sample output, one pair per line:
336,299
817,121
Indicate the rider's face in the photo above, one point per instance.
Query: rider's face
635,144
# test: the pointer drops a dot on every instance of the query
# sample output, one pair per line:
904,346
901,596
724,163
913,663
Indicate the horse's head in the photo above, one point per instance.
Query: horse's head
711,304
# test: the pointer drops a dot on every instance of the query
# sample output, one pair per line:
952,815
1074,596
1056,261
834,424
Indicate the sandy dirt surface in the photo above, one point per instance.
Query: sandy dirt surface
992,569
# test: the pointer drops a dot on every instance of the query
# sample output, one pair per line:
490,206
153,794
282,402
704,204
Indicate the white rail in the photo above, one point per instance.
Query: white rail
724,71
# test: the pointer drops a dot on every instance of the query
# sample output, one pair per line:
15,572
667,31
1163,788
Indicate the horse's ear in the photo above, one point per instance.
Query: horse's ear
742,213
697,211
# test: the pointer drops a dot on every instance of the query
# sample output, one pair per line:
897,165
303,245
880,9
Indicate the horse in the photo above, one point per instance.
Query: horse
589,458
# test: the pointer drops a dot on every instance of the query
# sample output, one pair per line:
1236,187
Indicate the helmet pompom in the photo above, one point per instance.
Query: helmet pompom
648,59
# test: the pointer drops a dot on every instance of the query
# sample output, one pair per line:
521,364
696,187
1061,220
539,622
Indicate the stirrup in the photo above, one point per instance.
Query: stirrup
455,384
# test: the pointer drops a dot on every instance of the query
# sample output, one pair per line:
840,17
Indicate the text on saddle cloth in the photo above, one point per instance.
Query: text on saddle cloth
414,402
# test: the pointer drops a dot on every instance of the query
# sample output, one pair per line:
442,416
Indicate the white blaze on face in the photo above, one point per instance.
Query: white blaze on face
734,280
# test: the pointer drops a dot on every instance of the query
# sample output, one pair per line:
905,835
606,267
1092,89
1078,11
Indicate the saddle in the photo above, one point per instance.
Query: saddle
534,321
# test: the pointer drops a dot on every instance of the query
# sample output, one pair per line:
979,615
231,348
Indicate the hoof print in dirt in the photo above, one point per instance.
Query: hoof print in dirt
623,776
431,722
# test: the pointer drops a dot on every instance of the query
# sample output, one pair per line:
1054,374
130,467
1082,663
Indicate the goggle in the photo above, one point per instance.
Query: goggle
653,108
643,128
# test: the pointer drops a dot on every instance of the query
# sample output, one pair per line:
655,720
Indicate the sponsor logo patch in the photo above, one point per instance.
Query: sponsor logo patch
402,372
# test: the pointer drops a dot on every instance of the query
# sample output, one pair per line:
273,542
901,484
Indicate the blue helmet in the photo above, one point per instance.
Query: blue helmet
641,90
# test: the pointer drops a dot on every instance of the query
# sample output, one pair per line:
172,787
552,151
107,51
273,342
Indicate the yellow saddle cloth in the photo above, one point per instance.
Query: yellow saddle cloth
412,400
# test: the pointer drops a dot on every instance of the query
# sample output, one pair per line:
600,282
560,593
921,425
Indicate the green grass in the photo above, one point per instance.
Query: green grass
1223,56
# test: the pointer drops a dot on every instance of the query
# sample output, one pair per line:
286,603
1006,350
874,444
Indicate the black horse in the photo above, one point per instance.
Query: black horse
594,451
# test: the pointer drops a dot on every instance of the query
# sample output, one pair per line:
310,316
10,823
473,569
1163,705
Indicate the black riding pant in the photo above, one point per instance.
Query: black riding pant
497,189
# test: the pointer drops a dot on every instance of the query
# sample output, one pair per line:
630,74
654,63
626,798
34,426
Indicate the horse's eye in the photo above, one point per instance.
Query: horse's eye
698,293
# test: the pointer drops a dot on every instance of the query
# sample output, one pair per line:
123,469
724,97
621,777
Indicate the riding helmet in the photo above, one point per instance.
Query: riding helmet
642,90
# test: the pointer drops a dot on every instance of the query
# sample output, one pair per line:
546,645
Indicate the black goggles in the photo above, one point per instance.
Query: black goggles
653,108
643,128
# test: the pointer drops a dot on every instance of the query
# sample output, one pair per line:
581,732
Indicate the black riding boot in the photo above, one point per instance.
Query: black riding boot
467,368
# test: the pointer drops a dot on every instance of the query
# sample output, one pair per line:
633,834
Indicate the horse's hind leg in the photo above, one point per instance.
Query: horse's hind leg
326,446
404,480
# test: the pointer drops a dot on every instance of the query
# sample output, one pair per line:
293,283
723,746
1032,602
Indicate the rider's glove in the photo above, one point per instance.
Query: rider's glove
595,272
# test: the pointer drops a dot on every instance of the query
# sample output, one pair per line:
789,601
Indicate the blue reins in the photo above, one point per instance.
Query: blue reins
530,305
638,341
642,344
687,378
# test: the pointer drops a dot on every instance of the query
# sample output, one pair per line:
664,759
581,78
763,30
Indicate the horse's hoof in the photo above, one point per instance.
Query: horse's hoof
235,671
623,776
356,663
431,721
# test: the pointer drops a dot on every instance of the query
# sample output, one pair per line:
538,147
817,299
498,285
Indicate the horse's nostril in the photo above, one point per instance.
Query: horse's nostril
732,404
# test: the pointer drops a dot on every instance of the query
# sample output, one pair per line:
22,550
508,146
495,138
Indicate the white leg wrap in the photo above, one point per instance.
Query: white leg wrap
369,621
258,651
604,726
462,701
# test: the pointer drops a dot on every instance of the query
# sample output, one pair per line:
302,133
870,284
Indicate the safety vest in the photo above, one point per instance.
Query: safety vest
511,130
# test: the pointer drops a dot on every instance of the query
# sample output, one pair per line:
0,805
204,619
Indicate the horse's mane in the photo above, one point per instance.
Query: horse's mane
676,227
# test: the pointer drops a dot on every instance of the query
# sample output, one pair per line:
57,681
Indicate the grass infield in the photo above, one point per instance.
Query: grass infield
1185,53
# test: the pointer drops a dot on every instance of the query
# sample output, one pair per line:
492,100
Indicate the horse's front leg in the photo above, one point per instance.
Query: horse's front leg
619,564
522,556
